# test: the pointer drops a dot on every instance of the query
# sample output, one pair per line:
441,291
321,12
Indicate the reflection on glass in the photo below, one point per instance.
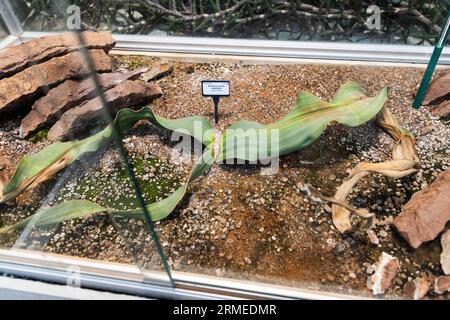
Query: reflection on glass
3,30
74,193
343,21
235,222
66,185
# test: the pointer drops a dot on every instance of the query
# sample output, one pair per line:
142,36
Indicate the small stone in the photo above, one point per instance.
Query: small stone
247,260
383,234
385,271
417,289
442,284
445,255
341,247
373,237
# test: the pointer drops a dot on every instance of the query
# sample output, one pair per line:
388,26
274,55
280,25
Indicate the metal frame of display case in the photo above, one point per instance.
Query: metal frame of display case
263,48
241,47
129,278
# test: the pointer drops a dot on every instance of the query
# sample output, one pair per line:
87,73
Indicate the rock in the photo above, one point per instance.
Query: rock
426,213
438,89
441,110
219,272
418,288
126,94
48,109
25,85
157,72
17,58
442,284
385,270
445,255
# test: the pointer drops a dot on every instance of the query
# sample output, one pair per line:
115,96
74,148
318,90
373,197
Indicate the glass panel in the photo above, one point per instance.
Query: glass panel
73,191
233,220
316,20
237,222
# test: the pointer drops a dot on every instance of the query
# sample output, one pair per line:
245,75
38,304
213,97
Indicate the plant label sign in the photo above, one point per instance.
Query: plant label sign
211,88
216,89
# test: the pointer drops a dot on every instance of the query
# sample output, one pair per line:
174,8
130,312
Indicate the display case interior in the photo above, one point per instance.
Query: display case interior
314,175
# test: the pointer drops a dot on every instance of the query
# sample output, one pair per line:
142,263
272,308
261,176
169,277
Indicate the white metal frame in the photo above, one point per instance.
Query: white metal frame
11,21
271,48
129,279
244,47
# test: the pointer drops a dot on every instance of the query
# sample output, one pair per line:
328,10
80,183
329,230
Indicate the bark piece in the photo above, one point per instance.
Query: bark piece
441,110
439,88
157,72
445,255
418,288
426,213
385,270
442,284
17,58
25,85
79,119
71,93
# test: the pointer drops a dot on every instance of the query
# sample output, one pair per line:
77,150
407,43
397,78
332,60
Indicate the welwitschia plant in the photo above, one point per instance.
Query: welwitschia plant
300,127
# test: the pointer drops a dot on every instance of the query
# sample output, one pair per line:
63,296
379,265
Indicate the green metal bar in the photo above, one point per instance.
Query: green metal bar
432,64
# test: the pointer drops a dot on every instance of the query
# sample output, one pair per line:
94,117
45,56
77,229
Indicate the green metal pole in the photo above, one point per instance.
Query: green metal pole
432,64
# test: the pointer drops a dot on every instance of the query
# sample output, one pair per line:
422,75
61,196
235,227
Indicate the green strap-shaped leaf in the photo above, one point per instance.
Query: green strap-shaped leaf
64,211
80,208
300,127
38,167
307,120
161,209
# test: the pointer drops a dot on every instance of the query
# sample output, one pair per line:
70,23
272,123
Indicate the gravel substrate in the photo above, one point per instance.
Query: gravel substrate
235,222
